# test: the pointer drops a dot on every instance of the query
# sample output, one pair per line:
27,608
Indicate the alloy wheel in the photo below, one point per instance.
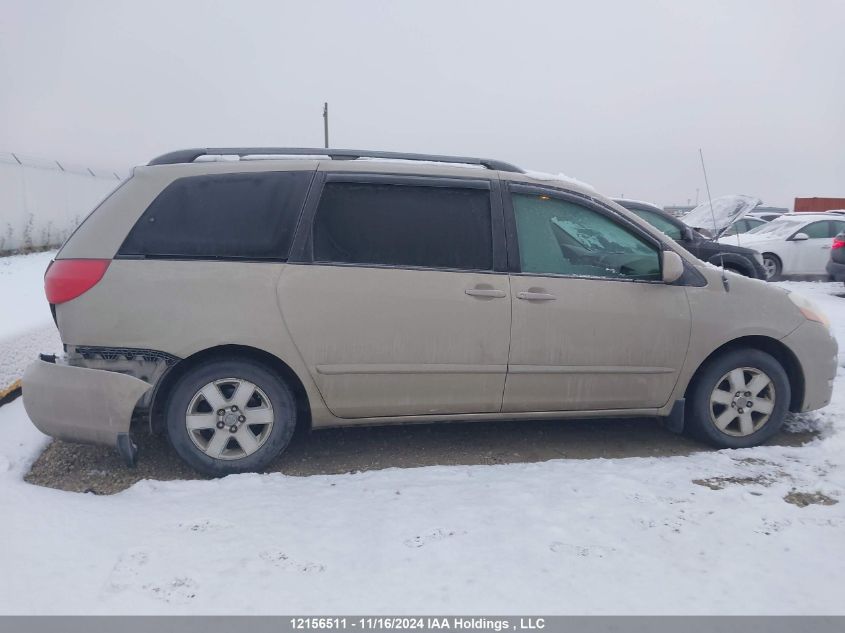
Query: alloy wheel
770,266
742,401
229,418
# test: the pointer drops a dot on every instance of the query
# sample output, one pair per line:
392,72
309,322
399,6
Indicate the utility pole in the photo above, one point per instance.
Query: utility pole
326,123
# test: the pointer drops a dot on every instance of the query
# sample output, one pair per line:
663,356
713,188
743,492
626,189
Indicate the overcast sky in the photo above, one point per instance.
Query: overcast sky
619,94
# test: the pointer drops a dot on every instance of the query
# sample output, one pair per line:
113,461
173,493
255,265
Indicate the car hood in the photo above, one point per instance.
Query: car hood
724,211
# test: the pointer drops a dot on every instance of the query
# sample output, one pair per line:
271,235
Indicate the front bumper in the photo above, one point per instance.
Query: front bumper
76,404
835,270
817,353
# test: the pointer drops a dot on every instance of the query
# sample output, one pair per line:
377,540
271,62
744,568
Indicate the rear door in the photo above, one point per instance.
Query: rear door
398,299
593,326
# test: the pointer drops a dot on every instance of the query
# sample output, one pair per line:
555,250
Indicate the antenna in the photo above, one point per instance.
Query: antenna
713,216
326,123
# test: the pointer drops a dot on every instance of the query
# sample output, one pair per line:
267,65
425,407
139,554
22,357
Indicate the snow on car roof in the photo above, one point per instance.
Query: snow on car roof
560,177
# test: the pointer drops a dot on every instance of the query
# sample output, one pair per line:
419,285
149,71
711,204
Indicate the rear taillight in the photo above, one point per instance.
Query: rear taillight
838,242
66,279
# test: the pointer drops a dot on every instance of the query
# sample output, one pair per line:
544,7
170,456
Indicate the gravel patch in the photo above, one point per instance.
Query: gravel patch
99,470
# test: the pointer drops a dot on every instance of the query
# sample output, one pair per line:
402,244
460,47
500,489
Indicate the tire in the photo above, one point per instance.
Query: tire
736,270
773,266
712,402
211,446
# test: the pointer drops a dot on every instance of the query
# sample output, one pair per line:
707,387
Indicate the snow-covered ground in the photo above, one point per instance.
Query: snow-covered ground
26,327
702,534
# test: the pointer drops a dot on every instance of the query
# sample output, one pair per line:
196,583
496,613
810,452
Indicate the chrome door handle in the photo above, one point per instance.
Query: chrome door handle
485,292
535,296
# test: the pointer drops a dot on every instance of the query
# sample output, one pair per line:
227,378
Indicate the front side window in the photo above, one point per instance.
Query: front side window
817,230
564,238
404,225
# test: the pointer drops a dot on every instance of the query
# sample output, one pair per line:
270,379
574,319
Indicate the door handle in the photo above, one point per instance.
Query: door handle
485,292
535,296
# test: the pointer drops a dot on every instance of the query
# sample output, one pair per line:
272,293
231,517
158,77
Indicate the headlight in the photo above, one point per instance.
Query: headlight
809,309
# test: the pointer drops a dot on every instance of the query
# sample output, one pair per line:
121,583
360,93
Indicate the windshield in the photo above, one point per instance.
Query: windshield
725,211
782,227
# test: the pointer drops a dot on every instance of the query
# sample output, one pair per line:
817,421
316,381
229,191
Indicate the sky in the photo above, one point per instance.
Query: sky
620,94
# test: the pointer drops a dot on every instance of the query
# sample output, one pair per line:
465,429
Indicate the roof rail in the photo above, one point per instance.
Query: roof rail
190,155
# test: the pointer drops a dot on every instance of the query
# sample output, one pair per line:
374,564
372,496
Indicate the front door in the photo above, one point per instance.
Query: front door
593,326
400,309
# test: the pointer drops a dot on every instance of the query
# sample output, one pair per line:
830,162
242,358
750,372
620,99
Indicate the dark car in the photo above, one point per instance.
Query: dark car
736,258
836,263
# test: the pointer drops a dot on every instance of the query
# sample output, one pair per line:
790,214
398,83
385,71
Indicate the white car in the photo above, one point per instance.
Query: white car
793,244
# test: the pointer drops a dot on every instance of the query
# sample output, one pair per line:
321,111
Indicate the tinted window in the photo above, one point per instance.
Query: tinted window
565,238
659,222
249,215
836,228
404,225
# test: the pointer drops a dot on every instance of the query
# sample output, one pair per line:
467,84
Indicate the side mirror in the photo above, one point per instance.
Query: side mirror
687,234
673,267
800,237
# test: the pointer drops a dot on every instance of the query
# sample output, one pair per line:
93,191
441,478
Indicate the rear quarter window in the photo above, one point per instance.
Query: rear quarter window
227,216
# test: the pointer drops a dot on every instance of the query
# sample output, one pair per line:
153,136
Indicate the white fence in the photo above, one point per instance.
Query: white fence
42,201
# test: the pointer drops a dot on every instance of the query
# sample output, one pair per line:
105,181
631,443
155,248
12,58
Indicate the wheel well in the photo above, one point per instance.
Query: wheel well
773,347
274,363
771,255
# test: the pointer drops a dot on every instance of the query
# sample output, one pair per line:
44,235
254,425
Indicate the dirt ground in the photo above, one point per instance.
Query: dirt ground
99,470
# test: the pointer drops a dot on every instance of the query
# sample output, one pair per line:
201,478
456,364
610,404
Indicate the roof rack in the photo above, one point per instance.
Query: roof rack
190,155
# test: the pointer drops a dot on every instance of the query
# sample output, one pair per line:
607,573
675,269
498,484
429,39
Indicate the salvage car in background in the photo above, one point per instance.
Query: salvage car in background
743,261
795,244
836,262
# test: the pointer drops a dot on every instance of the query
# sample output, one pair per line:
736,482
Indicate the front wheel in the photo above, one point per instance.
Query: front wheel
773,266
738,400
230,416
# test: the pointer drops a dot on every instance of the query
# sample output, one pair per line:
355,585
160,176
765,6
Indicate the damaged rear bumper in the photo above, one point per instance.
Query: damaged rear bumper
77,404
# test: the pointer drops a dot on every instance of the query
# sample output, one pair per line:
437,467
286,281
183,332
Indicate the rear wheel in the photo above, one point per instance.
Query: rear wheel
739,399
773,266
230,416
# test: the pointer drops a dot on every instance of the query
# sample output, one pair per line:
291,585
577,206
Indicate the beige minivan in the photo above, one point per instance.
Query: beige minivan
225,296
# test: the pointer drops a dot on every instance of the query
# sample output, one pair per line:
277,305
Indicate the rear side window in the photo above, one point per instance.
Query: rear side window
404,225
235,216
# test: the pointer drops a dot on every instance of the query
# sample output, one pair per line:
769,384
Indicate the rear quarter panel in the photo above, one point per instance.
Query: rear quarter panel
184,307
